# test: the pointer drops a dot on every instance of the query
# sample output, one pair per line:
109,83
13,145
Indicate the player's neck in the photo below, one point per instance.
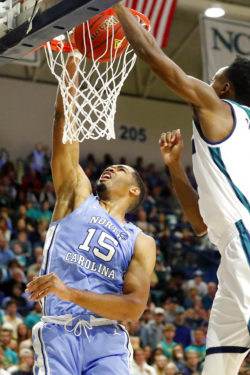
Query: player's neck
114,209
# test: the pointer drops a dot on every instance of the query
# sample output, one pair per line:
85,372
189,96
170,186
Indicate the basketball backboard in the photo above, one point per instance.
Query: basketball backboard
25,25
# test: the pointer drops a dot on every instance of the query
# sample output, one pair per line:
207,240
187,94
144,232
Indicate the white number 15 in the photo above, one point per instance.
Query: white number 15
110,250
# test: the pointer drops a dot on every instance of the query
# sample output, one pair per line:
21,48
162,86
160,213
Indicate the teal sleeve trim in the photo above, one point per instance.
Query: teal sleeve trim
217,158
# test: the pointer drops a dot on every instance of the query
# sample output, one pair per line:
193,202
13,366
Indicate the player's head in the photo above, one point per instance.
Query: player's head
233,81
121,181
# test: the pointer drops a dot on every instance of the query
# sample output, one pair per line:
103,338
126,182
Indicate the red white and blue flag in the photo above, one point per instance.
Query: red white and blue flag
160,13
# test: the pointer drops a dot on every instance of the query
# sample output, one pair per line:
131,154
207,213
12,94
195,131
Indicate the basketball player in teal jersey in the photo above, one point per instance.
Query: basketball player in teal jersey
221,155
96,266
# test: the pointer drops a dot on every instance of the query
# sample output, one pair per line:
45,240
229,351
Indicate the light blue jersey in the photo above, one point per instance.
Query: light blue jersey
88,250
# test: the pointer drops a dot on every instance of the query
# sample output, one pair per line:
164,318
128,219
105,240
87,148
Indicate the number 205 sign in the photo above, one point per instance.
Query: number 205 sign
132,133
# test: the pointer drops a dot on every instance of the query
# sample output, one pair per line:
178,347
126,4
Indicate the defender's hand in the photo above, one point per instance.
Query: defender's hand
171,145
44,285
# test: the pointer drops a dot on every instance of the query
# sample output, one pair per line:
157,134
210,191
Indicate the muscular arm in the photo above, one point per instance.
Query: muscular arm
128,306
71,184
215,116
171,146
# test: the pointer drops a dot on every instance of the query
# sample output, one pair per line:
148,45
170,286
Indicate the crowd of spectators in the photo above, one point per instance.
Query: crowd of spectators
170,337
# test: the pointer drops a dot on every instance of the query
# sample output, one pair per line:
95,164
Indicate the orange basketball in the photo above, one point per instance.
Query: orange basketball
105,46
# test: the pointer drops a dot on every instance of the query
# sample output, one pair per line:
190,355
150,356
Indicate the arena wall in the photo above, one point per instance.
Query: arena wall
27,112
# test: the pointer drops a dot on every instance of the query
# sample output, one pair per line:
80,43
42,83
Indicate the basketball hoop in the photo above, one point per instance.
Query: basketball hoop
89,114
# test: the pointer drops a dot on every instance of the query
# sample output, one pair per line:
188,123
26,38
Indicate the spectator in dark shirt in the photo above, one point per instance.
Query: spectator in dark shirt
5,253
175,287
23,242
192,363
182,333
191,298
207,300
31,183
17,295
17,277
178,357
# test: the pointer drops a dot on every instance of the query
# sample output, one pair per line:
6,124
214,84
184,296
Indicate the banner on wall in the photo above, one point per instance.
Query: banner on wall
160,13
221,41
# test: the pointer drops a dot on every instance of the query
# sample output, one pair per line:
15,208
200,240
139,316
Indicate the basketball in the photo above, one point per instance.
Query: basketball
99,35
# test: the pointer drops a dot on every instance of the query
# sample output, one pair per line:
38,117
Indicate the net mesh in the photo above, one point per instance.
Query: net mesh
90,112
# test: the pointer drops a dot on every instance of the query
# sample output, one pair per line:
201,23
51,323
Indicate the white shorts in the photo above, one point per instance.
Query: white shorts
228,337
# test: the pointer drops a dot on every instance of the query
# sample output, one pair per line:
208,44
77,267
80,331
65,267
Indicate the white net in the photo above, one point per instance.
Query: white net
90,112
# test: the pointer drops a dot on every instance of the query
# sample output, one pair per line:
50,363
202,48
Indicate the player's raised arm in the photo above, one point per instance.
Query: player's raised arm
171,145
68,177
192,90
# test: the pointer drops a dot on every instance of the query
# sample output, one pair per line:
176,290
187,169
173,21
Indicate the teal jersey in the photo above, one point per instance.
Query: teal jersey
167,348
10,358
201,350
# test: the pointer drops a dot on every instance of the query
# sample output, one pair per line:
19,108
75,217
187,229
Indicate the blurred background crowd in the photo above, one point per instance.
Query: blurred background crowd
170,337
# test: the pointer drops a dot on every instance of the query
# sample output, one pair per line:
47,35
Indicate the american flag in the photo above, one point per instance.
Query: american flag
160,13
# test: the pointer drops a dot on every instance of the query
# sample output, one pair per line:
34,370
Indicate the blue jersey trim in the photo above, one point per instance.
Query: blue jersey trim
193,147
245,242
48,252
46,267
248,326
217,158
198,127
44,361
227,349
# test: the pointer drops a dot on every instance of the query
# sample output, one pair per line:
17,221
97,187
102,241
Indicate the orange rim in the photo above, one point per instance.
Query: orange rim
58,45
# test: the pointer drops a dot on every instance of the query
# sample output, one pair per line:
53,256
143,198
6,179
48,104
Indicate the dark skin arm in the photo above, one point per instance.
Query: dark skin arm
171,145
128,306
214,115
71,184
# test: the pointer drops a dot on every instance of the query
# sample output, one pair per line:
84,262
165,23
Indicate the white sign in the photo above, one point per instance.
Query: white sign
222,40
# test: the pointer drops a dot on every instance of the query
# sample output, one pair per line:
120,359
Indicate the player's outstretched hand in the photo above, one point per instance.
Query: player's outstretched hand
41,286
171,145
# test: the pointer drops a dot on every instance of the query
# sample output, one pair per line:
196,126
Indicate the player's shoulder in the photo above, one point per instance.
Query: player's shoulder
145,252
143,241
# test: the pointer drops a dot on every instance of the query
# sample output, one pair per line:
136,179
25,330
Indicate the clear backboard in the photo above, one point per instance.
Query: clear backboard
27,24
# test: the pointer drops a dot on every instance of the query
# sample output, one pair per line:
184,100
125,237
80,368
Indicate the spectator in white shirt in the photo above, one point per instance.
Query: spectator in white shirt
11,316
160,365
139,365
198,283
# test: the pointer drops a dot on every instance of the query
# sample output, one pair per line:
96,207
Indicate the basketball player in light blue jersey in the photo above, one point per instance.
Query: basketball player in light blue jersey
96,267
221,156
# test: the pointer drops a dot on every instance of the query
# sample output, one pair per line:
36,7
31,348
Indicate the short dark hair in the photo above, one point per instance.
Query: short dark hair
11,302
140,184
238,74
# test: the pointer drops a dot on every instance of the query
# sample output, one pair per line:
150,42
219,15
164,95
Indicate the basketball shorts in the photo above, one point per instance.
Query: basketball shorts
85,350
228,337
